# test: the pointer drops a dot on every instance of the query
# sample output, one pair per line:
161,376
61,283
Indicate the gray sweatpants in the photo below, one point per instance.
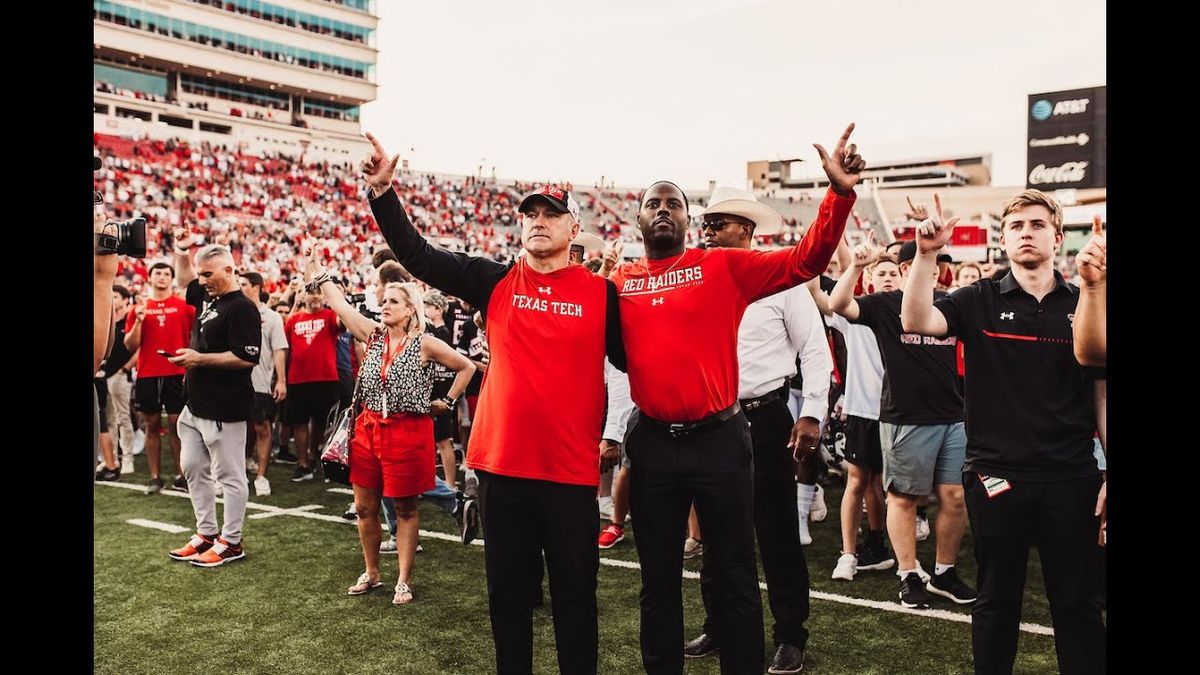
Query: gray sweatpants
209,446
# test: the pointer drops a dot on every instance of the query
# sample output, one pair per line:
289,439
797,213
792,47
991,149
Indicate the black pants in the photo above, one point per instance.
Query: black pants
1057,519
713,468
521,519
776,522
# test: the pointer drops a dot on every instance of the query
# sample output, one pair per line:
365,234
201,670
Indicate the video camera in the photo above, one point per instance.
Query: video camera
126,237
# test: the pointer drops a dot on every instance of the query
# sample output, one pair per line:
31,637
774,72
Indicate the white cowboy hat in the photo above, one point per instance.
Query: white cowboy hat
588,241
737,202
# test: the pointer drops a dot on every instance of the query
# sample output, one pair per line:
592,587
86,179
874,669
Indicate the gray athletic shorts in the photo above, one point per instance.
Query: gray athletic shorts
916,457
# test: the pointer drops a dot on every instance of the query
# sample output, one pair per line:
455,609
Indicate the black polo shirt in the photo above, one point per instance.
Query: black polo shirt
1029,403
228,323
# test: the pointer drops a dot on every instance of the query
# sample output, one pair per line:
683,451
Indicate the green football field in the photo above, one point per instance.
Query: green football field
284,608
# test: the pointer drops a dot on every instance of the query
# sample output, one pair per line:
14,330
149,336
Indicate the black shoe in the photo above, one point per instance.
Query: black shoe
285,457
154,486
874,557
180,483
700,647
106,475
302,474
788,659
470,521
912,592
948,585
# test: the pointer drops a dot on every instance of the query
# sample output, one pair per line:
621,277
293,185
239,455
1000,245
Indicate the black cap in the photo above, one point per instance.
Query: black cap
96,163
555,196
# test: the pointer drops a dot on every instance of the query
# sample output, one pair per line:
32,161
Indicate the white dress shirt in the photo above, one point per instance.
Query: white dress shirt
772,332
620,403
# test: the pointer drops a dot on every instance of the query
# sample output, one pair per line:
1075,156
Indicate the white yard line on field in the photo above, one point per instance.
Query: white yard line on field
306,512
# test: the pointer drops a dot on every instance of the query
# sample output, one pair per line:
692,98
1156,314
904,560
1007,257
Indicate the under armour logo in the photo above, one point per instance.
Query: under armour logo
544,290
1071,318
1007,315
656,301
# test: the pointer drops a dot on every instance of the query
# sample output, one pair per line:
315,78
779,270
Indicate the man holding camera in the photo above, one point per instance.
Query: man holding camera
212,427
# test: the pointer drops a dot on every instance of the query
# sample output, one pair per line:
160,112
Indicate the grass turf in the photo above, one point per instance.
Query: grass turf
284,609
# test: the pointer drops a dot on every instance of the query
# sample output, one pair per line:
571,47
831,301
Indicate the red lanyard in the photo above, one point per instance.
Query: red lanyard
388,356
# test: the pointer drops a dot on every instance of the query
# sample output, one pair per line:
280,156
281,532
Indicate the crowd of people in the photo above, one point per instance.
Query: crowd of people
579,390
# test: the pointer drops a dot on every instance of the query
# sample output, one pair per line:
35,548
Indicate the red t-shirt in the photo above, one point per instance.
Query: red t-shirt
680,315
168,326
541,406
312,341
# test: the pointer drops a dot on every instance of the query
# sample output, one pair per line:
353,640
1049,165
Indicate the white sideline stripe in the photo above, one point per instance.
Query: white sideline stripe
341,491
1036,629
286,512
153,524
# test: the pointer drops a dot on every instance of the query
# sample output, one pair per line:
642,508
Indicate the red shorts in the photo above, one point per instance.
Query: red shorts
394,455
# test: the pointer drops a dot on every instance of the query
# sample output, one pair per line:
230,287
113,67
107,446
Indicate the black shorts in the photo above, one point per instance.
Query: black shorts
862,443
155,394
443,426
102,402
310,401
264,408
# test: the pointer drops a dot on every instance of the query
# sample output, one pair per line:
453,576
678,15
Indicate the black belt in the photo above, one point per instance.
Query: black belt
685,429
751,404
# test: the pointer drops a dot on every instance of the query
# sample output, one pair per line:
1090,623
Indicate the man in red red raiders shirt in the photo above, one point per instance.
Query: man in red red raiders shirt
535,440
689,440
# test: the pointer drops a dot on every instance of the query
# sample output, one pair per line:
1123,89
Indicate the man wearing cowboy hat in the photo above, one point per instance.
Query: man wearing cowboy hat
773,330
583,244
690,442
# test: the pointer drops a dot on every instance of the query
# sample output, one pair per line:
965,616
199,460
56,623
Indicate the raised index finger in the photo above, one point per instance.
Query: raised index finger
1097,225
937,204
375,142
841,145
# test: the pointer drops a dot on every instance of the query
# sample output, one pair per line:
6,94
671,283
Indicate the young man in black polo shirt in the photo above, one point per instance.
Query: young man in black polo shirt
212,427
920,428
1030,476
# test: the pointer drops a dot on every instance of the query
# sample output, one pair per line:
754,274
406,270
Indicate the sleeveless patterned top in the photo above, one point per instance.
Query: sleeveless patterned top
409,383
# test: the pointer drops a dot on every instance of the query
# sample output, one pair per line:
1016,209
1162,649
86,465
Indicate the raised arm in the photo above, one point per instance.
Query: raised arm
759,274
359,326
917,313
842,299
467,277
184,272
1091,315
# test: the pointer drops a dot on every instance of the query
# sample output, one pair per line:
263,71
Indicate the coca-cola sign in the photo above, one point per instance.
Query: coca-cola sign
1070,172
1066,139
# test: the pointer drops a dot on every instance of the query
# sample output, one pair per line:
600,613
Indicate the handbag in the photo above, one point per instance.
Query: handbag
335,458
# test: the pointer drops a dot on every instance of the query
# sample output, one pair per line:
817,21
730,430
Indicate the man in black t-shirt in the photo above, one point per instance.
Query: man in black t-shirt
117,370
212,427
1030,476
920,428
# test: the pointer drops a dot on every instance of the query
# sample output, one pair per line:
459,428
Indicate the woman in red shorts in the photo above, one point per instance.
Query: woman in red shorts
392,451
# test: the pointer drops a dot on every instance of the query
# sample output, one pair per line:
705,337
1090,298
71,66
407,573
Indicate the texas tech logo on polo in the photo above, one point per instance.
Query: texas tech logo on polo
667,281
529,302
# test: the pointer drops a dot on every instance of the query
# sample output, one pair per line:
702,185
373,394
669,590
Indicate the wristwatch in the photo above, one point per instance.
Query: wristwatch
448,401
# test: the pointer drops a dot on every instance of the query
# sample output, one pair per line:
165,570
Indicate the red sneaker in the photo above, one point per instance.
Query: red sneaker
190,551
220,553
611,536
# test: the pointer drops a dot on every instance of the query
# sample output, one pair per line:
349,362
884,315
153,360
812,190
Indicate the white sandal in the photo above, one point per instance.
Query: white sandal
363,585
404,594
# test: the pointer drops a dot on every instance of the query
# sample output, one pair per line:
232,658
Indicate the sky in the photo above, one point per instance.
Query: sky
642,90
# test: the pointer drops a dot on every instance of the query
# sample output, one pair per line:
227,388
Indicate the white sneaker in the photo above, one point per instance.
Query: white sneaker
388,546
925,576
127,464
262,486
847,566
922,530
819,510
139,441
692,549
